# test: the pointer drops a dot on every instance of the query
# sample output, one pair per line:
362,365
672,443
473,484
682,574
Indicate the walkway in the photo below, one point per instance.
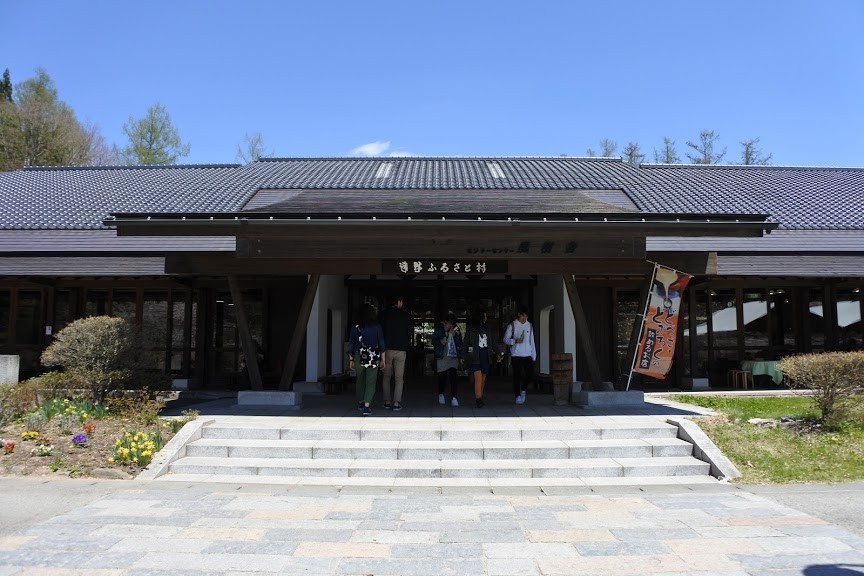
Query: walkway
114,528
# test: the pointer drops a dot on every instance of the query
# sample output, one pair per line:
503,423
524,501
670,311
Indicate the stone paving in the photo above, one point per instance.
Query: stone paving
147,528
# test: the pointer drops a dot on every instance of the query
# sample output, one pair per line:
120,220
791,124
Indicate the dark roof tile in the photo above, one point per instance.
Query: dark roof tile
81,197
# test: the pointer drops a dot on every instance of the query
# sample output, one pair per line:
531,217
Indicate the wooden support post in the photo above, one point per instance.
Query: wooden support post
250,351
285,383
582,331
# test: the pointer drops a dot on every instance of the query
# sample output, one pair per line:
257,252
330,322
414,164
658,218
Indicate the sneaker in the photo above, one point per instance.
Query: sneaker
440,399
397,406
520,399
386,405
454,402
479,403
360,406
367,410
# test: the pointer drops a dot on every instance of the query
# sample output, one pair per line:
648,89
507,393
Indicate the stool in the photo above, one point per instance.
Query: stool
742,379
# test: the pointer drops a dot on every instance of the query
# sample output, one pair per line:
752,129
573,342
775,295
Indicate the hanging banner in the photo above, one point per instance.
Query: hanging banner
656,347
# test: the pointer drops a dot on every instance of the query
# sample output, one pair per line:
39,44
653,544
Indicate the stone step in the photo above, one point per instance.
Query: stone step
480,483
435,431
440,449
471,468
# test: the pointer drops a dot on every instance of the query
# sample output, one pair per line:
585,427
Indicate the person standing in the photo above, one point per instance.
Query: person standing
447,341
519,335
365,354
478,350
396,324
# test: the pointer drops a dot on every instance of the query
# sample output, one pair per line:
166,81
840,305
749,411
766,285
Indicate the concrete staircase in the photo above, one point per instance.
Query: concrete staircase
430,452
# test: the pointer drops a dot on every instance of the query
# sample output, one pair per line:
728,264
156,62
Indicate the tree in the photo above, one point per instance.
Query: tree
153,140
608,147
705,149
752,155
668,155
11,138
52,134
252,148
6,87
38,129
632,154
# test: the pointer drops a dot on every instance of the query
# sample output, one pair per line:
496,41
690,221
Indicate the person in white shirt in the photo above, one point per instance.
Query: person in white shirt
519,335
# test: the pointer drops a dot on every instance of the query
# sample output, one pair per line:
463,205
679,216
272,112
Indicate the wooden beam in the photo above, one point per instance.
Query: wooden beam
582,331
248,346
285,383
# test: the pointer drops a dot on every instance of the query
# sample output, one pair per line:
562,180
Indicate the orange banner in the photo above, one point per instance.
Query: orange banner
656,348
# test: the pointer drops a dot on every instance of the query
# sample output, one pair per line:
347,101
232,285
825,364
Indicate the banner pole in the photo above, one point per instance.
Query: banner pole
641,326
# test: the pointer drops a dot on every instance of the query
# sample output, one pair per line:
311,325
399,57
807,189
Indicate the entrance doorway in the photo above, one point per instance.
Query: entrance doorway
430,300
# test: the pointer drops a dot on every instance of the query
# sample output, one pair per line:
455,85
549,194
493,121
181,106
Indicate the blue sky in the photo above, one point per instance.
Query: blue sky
469,78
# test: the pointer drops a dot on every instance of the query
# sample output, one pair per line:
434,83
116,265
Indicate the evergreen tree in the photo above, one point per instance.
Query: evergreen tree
608,147
252,148
668,155
632,154
752,155
153,140
704,149
6,87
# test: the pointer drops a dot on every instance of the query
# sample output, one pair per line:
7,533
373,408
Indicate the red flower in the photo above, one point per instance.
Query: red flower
89,428
8,447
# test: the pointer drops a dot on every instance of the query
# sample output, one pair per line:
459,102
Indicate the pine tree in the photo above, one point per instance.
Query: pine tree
6,87
153,140
705,149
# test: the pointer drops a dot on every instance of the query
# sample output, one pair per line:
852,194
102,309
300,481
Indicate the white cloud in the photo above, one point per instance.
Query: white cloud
401,154
371,149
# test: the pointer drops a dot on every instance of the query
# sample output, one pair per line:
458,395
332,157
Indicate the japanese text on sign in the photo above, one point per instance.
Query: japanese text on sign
427,266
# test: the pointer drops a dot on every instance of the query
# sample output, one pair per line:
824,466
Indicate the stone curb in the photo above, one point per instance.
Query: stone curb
174,449
704,449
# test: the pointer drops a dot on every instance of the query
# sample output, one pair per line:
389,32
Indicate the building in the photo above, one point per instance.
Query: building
209,257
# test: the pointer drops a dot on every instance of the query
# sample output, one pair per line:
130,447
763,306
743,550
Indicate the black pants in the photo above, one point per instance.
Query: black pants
444,377
523,373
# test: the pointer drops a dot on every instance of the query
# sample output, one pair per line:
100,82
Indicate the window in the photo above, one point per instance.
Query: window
849,319
628,310
5,300
123,304
28,318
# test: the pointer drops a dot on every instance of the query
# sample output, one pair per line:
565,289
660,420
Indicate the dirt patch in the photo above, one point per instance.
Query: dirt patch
89,460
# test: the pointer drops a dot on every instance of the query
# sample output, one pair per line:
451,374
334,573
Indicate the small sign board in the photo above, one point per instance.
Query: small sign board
443,266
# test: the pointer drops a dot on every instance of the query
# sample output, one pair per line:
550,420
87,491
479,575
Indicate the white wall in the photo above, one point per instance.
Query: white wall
550,299
332,295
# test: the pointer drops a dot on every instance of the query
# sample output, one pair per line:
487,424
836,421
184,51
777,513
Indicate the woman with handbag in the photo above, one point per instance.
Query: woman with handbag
365,354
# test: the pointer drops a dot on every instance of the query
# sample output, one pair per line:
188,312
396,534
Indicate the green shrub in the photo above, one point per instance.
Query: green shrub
103,353
832,377
99,349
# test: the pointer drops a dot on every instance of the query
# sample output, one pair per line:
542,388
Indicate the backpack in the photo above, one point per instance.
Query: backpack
369,355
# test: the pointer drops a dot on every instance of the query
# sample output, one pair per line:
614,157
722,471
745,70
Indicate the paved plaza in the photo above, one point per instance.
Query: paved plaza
137,528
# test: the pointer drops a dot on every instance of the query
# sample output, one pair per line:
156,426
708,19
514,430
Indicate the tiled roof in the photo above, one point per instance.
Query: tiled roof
797,197
80,198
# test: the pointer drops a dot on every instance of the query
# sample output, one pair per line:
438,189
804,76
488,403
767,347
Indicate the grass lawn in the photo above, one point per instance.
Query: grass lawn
802,453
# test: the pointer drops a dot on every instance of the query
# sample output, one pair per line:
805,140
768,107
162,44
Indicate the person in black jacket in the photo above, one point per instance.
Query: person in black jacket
478,351
366,347
396,324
